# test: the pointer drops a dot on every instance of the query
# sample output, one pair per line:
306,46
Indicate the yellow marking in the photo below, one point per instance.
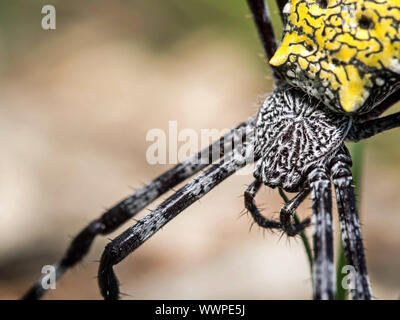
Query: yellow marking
340,45
303,63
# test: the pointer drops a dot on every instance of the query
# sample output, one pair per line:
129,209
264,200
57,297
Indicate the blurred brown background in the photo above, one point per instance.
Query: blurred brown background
76,104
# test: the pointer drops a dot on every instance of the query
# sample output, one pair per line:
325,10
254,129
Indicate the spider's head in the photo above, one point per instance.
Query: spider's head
345,53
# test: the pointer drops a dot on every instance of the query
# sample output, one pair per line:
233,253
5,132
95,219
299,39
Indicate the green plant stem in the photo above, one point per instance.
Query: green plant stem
357,151
303,235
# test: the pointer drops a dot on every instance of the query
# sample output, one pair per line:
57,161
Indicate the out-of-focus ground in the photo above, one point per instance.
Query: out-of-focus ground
76,104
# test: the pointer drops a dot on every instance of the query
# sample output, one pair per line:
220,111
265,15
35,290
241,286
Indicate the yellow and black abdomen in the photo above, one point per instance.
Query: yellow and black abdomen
345,53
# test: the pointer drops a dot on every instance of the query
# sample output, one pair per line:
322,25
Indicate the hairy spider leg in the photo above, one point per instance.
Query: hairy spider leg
323,269
129,207
384,105
287,210
262,19
250,205
370,128
350,225
136,235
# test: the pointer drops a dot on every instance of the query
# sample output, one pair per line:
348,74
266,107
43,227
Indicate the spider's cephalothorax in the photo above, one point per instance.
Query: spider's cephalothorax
346,53
291,138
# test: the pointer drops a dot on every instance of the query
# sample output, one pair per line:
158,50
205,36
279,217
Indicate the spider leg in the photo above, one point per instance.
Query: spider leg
350,225
287,211
323,269
281,4
262,19
133,237
367,129
129,207
250,204
389,101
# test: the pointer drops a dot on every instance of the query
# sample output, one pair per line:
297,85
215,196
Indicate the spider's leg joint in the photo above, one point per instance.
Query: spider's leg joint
108,282
287,212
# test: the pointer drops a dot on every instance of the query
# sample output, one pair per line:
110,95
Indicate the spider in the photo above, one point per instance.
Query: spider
336,71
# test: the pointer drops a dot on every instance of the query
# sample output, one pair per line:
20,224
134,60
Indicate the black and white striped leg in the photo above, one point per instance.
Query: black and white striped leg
133,237
287,211
359,287
370,128
250,204
323,270
129,207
